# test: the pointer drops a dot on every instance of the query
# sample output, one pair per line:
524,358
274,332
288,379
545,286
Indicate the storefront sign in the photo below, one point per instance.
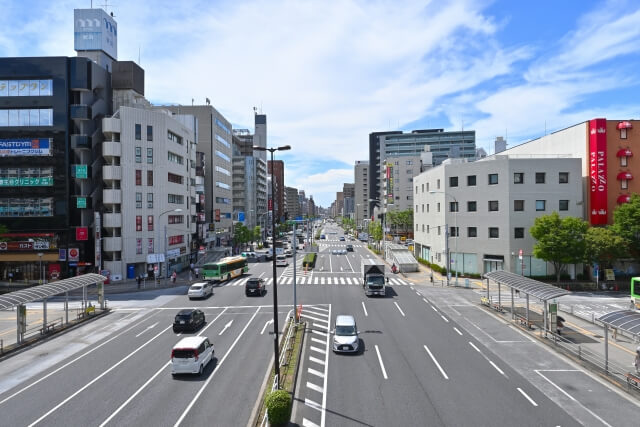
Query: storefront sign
74,254
62,254
173,253
598,171
82,233
80,171
26,182
25,147
24,246
81,203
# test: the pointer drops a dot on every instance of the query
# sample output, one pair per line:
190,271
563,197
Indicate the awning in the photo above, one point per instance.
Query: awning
536,289
625,198
624,320
624,152
624,175
624,125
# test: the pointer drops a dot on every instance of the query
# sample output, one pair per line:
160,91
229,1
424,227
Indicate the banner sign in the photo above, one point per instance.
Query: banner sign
598,171
74,254
24,246
390,182
97,231
26,182
62,254
25,147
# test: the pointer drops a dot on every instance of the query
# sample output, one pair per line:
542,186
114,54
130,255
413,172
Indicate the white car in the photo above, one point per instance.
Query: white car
191,355
281,261
339,251
345,335
200,290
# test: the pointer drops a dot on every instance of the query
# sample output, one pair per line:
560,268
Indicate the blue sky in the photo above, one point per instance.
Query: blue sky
329,73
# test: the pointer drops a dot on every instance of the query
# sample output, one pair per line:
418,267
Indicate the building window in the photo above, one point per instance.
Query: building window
138,246
416,189
493,205
176,199
472,232
138,177
138,200
494,232
409,162
453,206
564,205
150,178
438,208
518,178
26,87
427,228
518,205
427,207
149,133
176,240
223,141
176,179
29,207
453,231
223,156
150,222
422,207
493,178
540,205
624,184
149,155
416,227
416,208
26,117
423,228
149,246
138,154
438,230
422,188
540,177
518,233
172,157
623,161
409,171
453,181
175,219
623,133
227,186
427,187
438,184
138,131
138,222
563,177
150,200
471,180
472,206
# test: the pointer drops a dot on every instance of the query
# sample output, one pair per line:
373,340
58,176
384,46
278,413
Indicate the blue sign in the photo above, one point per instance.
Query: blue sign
298,218
25,147
241,216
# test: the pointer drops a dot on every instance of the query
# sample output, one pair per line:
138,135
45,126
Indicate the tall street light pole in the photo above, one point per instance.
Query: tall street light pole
455,226
166,243
276,359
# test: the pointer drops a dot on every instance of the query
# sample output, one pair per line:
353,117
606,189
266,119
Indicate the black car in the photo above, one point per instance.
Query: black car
349,248
188,320
342,238
255,286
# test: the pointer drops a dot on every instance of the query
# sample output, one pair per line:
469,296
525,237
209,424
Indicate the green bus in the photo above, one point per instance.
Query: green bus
225,269
635,291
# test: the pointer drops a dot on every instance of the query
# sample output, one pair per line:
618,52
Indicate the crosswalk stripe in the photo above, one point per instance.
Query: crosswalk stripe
314,387
315,282
322,280
307,423
342,280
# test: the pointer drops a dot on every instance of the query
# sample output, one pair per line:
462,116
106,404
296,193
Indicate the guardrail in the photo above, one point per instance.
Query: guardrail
42,329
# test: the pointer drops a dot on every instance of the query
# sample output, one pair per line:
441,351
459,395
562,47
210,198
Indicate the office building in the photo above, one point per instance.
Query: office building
361,191
293,204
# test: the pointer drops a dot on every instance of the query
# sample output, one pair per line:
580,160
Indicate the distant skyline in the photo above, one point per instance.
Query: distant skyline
327,74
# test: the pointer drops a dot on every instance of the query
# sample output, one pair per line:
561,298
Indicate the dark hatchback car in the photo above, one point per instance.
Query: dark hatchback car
255,286
188,320
349,248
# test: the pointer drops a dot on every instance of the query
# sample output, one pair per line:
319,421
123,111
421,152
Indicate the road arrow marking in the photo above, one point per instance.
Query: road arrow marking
148,328
226,327
265,326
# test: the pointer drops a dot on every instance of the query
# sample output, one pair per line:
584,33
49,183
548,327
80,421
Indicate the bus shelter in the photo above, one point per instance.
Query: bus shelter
19,299
624,320
527,286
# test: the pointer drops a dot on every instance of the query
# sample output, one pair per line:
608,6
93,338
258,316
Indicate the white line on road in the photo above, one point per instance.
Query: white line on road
226,327
319,350
497,369
384,372
315,372
365,309
147,329
399,309
307,423
527,396
216,369
456,329
315,359
444,374
474,346
314,387
444,318
317,340
418,293
267,323
310,403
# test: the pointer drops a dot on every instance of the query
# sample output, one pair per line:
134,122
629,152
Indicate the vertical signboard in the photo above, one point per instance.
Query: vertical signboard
94,29
390,183
598,171
82,233
98,230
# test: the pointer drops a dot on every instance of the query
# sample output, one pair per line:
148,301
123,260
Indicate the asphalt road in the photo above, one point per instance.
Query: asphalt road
430,357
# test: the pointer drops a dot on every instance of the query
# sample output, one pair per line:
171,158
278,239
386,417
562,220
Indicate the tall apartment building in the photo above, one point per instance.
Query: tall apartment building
361,191
293,205
349,193
276,169
397,181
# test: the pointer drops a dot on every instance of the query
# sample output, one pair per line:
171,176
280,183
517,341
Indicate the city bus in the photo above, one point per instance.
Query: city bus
225,269
635,291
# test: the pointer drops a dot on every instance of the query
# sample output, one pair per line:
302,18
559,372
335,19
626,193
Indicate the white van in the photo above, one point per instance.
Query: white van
346,335
281,261
191,355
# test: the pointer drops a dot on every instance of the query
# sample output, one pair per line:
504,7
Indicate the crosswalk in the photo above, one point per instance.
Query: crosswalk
314,280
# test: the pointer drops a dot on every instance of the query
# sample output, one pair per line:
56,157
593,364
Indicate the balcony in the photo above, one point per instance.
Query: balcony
111,172
80,112
111,125
80,142
112,196
111,149
112,220
112,244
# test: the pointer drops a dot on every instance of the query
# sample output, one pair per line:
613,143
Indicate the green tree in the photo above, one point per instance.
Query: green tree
560,241
604,246
626,224
257,234
3,230
241,235
375,230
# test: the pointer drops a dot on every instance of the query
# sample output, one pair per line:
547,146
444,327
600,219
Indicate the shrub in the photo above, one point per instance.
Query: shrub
309,260
278,403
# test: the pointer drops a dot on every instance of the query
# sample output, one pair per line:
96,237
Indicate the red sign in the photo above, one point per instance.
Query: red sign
82,233
16,246
74,254
270,205
598,171
217,215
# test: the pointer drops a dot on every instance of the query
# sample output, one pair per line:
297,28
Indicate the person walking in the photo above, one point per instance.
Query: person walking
174,275
196,272
139,280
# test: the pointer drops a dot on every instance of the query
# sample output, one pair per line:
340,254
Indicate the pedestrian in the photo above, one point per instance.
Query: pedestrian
559,324
196,271
139,280
174,275
191,266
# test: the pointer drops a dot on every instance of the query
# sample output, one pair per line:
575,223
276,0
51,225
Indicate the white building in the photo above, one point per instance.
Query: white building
361,181
396,181
488,207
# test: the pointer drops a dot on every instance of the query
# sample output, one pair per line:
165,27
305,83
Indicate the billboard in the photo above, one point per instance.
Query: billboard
27,182
25,147
95,29
390,183
598,171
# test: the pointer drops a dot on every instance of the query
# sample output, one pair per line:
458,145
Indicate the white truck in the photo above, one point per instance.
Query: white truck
373,279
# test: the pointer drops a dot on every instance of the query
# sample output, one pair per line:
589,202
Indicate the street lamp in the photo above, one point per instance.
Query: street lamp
455,226
166,243
273,259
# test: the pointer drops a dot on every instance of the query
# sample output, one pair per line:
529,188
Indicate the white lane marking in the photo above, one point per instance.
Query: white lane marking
315,372
317,340
310,310
399,309
434,309
444,374
568,395
497,369
314,387
319,350
90,383
384,372
412,288
76,359
342,280
527,396
315,282
216,369
310,403
324,334
226,327
315,359
315,307
456,329
267,323
418,293
324,383
348,279
147,329
318,325
365,309
322,280
317,319
307,423
444,318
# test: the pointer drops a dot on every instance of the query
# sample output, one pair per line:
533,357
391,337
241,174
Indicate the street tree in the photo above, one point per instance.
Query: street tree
626,224
604,246
560,241
375,230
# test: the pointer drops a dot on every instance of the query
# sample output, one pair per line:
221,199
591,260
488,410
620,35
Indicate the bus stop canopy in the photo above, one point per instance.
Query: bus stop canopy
536,289
624,320
39,292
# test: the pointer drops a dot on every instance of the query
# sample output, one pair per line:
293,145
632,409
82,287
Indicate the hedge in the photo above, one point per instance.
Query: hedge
278,404
309,260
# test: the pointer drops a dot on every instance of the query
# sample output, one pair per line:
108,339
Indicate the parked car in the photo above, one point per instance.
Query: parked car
188,319
345,334
281,261
255,286
349,248
200,290
191,355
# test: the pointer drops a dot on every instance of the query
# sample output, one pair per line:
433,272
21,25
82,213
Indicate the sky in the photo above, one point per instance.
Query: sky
328,73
